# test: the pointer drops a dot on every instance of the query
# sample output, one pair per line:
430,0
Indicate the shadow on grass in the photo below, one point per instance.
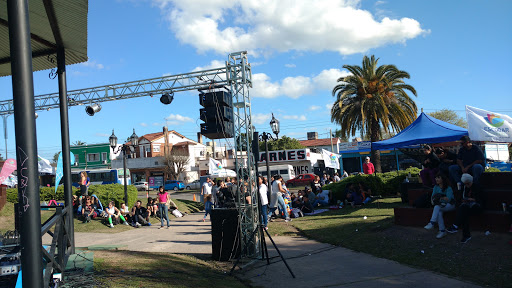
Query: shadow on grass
144,269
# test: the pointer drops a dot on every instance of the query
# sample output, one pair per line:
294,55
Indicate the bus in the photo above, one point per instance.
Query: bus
102,176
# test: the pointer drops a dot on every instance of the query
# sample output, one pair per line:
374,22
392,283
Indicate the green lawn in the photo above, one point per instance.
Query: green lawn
96,225
141,269
486,260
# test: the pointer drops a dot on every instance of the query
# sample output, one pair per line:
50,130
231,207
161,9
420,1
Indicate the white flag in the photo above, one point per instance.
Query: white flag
488,126
44,166
215,167
331,160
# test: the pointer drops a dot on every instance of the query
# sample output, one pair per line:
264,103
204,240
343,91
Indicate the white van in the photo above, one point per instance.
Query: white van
286,171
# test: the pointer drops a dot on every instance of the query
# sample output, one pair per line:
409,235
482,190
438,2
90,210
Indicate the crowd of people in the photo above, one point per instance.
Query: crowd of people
441,168
89,207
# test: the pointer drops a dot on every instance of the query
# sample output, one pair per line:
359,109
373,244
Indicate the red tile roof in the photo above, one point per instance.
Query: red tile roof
154,136
319,142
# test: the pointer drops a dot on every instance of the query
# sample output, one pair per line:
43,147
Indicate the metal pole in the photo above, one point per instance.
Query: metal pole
26,143
124,177
66,159
265,137
5,134
330,135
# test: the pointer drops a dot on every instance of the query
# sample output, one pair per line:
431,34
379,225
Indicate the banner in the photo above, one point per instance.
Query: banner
331,160
60,169
43,165
7,169
488,126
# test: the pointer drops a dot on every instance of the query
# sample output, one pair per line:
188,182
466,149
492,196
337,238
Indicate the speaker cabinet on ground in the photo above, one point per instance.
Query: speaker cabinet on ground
225,234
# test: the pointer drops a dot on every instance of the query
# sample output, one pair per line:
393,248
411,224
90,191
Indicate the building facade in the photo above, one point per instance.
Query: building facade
94,156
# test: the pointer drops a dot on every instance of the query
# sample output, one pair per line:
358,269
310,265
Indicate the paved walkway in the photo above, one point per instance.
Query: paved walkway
314,264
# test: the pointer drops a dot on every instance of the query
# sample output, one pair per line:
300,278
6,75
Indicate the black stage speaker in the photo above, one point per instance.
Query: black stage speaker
225,234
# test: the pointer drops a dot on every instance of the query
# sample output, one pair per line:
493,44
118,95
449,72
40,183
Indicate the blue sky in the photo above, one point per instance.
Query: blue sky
457,53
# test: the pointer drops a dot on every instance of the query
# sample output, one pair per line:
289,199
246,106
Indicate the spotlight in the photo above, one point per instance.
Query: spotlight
93,109
167,98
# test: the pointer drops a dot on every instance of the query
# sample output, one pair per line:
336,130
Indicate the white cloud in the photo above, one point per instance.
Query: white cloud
93,64
295,117
224,26
176,118
295,87
260,118
290,65
157,124
102,135
143,124
314,107
213,65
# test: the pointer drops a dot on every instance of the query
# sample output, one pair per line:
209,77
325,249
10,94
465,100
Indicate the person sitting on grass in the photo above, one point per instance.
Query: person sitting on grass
207,206
366,193
125,212
473,202
355,198
443,201
113,212
88,210
306,205
139,215
321,198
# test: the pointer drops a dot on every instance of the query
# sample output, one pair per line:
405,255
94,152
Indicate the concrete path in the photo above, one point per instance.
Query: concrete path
314,264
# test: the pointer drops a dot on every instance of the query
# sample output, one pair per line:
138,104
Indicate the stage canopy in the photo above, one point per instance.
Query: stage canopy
425,129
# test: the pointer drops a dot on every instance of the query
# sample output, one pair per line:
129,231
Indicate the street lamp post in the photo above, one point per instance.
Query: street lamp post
125,148
264,136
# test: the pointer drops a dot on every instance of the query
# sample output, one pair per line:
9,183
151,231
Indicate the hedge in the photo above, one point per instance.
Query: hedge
383,184
106,193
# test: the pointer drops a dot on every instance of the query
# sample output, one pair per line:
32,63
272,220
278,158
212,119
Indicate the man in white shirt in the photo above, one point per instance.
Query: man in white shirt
207,188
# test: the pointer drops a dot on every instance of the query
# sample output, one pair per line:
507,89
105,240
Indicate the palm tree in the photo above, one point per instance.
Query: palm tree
371,98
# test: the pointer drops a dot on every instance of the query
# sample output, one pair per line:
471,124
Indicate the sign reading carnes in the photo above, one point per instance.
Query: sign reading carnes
285,156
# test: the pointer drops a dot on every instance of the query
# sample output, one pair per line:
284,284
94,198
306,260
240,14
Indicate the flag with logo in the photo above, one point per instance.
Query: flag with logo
488,126
215,167
331,160
43,165
60,169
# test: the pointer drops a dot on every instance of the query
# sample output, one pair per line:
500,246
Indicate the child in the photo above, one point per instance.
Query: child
207,206
149,206
113,212
125,211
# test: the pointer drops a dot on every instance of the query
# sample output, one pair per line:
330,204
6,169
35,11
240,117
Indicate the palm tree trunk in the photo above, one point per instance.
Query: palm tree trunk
374,136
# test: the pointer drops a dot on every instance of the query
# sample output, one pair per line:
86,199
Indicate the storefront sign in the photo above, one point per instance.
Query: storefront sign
302,169
355,146
285,155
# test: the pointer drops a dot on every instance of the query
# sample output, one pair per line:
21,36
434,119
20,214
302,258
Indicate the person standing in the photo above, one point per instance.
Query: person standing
469,160
277,188
368,166
262,182
336,177
163,197
207,188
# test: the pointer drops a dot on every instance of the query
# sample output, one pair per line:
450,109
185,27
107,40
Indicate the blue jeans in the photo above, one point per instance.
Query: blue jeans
281,205
264,215
321,202
476,171
163,213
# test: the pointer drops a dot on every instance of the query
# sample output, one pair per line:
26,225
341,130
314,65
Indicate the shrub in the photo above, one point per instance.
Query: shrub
383,184
113,192
492,169
106,193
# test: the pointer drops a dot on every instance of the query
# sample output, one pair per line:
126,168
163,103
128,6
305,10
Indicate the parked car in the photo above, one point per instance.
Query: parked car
174,185
193,185
141,185
301,180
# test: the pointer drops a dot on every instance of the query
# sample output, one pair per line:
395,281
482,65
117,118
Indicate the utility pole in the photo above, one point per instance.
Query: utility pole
330,135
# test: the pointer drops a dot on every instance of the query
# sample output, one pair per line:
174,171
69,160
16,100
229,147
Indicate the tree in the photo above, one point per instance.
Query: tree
78,143
371,98
449,116
338,134
55,158
175,162
283,143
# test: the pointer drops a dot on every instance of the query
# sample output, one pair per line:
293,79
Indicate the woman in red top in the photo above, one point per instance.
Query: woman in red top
368,166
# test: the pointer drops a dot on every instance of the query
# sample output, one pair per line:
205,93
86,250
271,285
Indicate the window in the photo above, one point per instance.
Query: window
93,157
104,156
285,171
307,176
148,149
156,148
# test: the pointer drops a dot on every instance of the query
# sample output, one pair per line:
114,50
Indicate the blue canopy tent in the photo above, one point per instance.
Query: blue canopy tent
425,129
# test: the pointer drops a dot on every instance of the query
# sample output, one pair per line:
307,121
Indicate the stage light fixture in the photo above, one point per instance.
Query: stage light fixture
93,109
167,98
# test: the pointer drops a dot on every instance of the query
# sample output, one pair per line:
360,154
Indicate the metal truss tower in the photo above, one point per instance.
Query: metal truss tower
236,76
